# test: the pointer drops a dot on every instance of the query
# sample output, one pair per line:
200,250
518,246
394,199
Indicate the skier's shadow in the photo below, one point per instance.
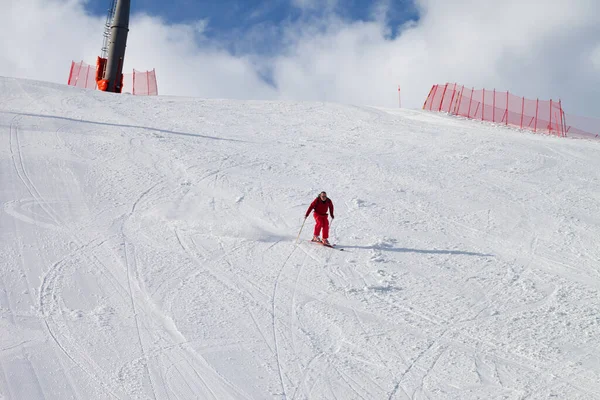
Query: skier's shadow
420,251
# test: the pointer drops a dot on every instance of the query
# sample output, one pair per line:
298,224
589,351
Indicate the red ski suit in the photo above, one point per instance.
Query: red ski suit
322,222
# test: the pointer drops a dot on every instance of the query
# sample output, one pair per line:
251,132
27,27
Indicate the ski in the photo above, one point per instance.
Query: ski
331,246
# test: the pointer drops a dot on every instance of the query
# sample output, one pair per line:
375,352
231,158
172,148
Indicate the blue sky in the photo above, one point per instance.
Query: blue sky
229,20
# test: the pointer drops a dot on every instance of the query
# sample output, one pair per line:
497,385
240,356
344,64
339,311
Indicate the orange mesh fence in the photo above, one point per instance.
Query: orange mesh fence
139,83
82,76
144,83
498,107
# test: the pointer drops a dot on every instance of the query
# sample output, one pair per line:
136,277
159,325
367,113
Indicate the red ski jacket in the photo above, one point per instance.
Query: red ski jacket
321,207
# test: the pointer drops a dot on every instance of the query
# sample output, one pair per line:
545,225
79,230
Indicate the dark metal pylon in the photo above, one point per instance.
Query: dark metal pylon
107,24
119,28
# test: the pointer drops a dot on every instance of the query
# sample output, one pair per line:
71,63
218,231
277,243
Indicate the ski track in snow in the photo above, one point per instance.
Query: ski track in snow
148,252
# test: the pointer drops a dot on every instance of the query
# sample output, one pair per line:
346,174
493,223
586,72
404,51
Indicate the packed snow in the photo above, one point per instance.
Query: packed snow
148,251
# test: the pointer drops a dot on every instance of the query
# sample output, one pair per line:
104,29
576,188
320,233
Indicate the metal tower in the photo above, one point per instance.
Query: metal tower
109,65
107,24
119,29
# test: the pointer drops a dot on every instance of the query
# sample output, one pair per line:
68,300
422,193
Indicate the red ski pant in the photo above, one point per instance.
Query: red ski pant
322,222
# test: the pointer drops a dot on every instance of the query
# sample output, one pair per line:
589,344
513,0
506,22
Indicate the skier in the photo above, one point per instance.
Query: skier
321,205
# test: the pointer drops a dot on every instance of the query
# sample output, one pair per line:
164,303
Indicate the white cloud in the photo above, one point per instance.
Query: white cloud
532,49
39,38
187,64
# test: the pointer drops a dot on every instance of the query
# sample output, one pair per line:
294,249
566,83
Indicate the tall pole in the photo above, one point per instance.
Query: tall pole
116,48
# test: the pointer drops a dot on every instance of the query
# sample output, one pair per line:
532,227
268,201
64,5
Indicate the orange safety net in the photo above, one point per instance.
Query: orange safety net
138,83
82,75
141,83
498,107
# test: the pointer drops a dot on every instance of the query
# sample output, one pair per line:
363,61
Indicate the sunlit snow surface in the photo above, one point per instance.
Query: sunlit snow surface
147,251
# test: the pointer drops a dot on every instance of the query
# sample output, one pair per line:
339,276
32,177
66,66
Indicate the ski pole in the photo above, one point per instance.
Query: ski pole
300,230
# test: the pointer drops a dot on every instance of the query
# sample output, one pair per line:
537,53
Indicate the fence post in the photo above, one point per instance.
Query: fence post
562,118
71,73
460,96
470,102
507,107
550,122
522,111
133,83
399,98
454,109
537,106
483,106
443,95
494,107
452,99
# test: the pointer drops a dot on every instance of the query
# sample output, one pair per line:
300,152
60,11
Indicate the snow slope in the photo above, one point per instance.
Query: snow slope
147,251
